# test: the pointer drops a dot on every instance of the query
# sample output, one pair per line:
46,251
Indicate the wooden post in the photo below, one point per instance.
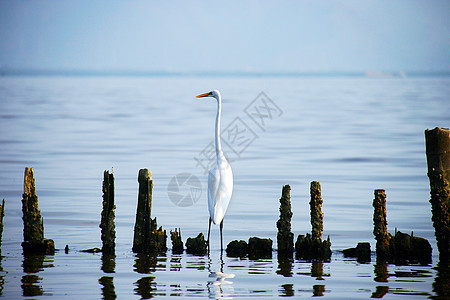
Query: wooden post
316,211
177,243
107,222
285,238
33,223
147,237
2,214
437,143
380,225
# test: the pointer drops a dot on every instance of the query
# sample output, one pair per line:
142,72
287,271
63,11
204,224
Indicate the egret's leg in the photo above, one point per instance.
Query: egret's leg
209,230
221,239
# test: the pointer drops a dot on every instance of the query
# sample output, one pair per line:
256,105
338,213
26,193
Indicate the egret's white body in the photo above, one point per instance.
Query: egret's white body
220,178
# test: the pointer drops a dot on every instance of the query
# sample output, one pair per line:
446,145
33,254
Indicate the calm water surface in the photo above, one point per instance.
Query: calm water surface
353,135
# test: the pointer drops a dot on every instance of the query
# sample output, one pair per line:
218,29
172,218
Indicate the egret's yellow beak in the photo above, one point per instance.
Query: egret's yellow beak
204,95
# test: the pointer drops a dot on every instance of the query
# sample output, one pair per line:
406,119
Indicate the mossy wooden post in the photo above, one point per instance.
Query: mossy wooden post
437,143
285,238
33,223
316,211
144,210
380,225
148,238
107,222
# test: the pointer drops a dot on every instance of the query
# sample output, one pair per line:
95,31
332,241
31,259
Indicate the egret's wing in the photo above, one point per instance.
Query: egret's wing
220,189
213,187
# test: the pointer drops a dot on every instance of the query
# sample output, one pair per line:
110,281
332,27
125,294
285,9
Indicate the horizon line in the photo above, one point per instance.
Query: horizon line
142,73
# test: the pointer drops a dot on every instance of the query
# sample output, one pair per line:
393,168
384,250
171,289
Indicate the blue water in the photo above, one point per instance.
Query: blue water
352,134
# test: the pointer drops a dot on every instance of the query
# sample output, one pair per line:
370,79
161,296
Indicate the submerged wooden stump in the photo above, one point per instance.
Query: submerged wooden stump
285,238
237,248
400,248
259,248
197,245
148,238
437,143
311,246
33,223
107,222
361,252
177,243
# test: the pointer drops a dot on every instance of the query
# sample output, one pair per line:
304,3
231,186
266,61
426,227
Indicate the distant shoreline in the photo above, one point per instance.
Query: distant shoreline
129,73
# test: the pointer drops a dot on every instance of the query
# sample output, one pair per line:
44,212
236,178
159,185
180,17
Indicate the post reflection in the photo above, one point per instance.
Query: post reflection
381,275
148,264
2,278
284,265
32,264
108,266
441,284
108,290
146,287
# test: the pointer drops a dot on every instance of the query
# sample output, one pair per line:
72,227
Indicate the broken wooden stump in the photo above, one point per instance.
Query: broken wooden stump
107,221
237,249
148,238
361,252
33,223
437,143
400,248
197,245
380,225
311,246
406,248
177,243
259,248
285,238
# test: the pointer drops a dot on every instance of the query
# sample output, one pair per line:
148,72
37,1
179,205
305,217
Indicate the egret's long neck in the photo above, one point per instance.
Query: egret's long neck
219,152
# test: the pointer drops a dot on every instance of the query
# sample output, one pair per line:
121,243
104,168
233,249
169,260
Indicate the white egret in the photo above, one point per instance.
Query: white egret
220,178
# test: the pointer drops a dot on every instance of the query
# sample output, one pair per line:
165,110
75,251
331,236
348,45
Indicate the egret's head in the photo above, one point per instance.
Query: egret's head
213,93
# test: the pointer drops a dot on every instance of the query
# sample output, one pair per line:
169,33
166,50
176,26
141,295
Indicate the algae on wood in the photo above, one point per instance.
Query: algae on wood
148,238
438,160
33,223
380,225
107,222
177,243
311,246
285,238
197,245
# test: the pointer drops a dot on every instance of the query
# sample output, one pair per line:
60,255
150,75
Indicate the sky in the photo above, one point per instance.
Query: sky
226,36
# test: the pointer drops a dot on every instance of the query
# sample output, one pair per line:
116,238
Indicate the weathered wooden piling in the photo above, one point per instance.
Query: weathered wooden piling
401,247
33,223
197,245
312,246
380,225
437,143
316,211
148,238
107,222
285,238
177,242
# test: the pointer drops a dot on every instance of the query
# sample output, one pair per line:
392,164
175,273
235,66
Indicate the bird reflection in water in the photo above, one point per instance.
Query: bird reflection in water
219,286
